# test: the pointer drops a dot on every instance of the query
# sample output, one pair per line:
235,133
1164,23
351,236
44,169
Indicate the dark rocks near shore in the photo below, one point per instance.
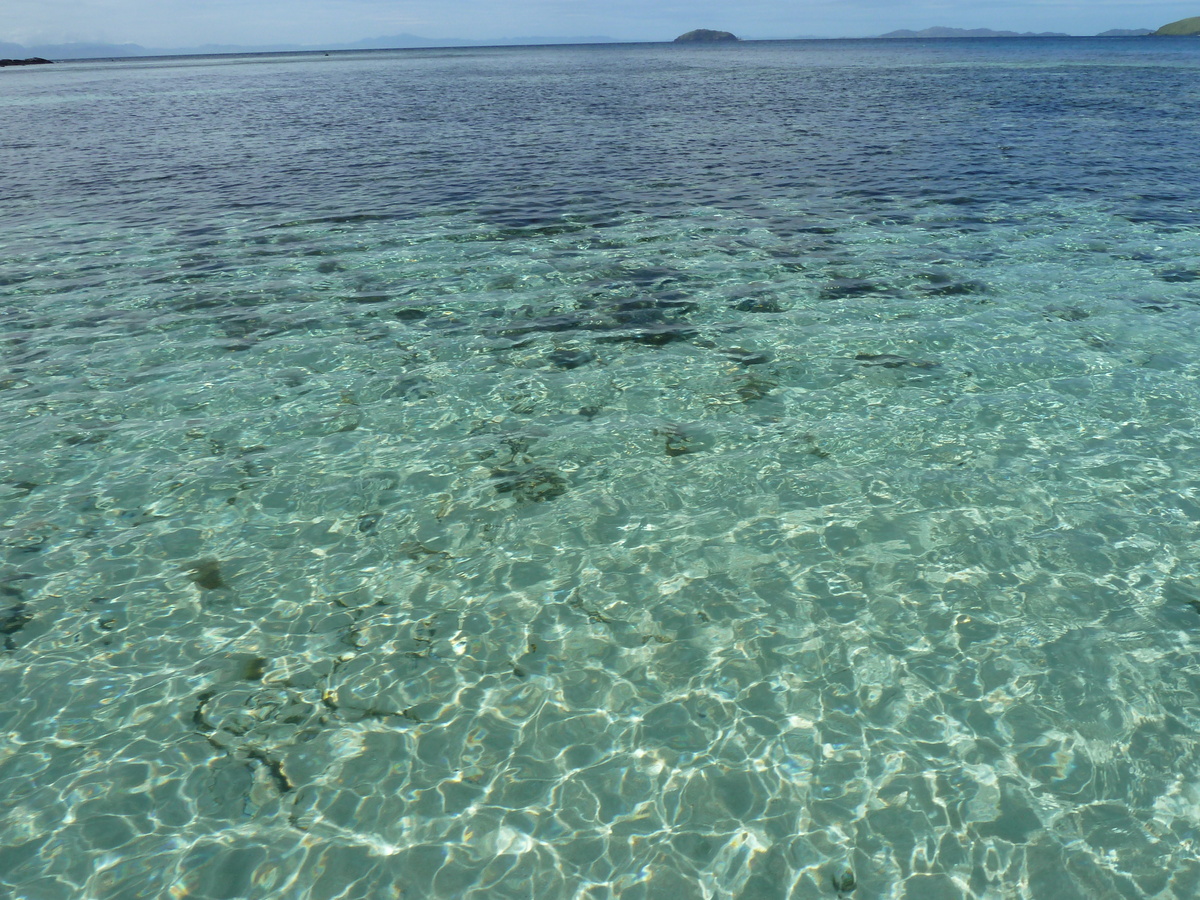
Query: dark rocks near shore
32,61
891,361
642,319
205,574
531,484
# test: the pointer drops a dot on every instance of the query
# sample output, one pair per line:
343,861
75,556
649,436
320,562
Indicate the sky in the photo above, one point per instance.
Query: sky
189,23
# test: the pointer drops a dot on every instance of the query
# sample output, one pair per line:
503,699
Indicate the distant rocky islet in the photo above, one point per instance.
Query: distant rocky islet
706,36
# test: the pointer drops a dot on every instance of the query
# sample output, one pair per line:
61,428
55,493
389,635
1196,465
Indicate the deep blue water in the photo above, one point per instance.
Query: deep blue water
755,471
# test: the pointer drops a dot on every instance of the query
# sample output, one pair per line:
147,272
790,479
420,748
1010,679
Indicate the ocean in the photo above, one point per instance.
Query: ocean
749,472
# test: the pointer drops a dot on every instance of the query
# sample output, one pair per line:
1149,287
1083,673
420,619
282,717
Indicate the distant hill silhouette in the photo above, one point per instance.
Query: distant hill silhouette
1182,28
941,32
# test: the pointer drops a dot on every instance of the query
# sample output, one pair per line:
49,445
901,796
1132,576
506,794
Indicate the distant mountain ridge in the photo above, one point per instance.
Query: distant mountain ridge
939,31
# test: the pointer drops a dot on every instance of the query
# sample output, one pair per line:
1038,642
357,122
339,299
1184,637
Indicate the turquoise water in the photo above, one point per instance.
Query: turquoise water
754,472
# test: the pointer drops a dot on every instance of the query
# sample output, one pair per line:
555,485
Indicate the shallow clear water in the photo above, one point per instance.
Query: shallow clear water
603,472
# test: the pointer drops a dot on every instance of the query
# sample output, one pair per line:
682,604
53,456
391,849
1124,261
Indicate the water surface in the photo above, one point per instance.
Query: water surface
596,472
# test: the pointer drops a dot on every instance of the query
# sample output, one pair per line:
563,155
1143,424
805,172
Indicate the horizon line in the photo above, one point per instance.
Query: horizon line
450,43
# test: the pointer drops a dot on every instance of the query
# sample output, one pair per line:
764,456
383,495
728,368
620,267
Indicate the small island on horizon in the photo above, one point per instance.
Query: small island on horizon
706,36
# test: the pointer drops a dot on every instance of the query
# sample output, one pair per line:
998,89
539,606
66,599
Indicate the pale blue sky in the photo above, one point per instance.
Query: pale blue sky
182,23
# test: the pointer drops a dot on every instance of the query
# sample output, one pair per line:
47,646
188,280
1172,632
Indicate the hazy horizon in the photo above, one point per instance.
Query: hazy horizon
174,24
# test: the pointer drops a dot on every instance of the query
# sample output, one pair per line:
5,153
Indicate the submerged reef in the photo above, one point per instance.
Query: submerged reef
531,484
205,574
